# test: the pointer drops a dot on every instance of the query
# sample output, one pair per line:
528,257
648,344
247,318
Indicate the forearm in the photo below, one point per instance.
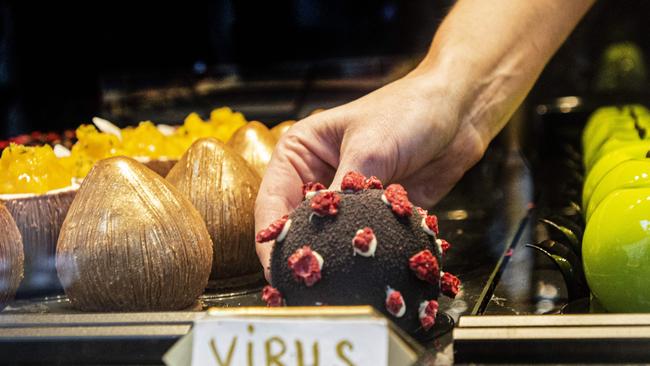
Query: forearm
488,54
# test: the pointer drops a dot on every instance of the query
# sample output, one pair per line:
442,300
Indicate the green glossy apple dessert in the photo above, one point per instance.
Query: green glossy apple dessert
638,150
616,141
604,118
616,251
633,173
607,121
612,144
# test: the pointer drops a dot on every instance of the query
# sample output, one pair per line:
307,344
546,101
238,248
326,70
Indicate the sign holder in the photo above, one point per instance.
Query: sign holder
400,348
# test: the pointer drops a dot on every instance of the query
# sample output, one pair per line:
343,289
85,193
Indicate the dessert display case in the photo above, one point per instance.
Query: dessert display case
490,217
524,191
514,220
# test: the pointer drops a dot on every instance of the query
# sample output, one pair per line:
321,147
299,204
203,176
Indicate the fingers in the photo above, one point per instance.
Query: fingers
428,186
274,200
295,161
368,153
431,183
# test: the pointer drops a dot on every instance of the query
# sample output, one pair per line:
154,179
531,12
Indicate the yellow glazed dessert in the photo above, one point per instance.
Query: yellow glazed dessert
146,140
225,122
92,146
147,143
32,170
222,125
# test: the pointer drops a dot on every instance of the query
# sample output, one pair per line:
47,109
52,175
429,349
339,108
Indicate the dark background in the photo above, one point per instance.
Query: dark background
59,60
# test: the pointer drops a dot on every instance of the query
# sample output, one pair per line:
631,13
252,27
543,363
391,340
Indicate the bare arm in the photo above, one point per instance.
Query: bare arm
493,52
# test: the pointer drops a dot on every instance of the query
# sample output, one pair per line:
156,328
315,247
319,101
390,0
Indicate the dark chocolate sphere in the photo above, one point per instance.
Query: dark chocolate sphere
352,279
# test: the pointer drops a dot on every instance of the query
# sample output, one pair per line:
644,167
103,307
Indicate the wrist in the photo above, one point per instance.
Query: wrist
449,79
483,94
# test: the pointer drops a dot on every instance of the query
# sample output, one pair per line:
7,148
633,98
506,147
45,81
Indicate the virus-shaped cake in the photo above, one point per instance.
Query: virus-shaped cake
362,245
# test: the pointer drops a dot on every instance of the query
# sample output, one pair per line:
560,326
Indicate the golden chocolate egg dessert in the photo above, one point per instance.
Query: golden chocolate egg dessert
132,242
37,189
11,257
281,128
255,143
223,188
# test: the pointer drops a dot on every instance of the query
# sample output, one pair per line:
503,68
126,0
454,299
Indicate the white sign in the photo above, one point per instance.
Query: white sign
222,341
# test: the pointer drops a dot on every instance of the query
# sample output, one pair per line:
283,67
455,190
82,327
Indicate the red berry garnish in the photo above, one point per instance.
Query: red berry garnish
353,181
52,137
271,296
21,139
425,266
444,245
3,144
37,135
432,223
273,231
363,240
428,312
326,203
70,134
449,285
398,199
311,187
395,303
373,183
305,265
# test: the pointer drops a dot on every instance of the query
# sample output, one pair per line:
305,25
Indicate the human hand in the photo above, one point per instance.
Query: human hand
408,132
425,130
